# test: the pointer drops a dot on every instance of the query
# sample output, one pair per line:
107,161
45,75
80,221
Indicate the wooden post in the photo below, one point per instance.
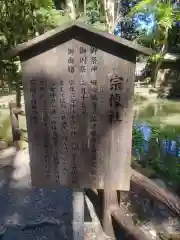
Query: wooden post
16,133
78,214
109,200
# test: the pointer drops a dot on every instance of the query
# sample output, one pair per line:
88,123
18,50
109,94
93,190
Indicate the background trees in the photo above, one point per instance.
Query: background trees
154,23
165,17
21,20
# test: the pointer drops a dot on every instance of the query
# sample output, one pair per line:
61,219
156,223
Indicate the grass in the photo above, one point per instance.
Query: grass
3,94
60,20
4,130
138,99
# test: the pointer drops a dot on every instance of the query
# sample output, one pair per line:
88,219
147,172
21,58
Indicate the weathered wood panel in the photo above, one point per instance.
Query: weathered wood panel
80,122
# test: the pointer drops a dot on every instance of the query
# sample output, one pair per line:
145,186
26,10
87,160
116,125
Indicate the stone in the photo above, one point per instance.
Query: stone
3,144
7,156
21,173
171,225
149,229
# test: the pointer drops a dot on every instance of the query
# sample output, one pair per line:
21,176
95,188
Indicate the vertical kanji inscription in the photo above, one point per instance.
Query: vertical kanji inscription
73,132
84,106
33,91
93,117
42,109
53,134
63,134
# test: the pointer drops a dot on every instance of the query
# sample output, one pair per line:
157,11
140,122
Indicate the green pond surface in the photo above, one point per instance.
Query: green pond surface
156,137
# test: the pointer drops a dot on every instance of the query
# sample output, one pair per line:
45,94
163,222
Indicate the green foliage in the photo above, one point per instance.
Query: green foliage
21,20
137,139
5,129
139,98
165,15
46,4
93,12
164,164
155,57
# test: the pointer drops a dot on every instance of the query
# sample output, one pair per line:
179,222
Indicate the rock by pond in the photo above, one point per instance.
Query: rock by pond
3,144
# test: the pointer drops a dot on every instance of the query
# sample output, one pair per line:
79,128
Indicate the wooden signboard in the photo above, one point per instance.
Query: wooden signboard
78,87
78,90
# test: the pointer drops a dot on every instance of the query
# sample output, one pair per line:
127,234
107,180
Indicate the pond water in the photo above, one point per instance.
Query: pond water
156,137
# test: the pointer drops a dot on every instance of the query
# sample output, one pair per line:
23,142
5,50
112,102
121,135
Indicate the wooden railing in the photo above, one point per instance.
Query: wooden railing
120,214
16,132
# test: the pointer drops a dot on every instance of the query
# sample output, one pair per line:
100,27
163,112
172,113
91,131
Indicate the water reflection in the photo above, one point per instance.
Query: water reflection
167,145
157,137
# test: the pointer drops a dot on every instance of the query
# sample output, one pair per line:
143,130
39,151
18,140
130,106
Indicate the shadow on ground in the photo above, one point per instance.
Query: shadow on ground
31,213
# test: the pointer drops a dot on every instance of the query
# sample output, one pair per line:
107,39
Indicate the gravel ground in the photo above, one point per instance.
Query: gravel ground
33,213
21,206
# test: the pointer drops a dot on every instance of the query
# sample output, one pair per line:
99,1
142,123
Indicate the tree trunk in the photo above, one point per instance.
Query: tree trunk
71,9
118,15
109,14
162,54
85,7
155,73
18,93
77,8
